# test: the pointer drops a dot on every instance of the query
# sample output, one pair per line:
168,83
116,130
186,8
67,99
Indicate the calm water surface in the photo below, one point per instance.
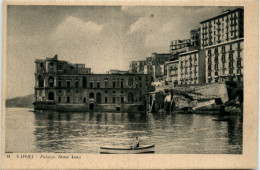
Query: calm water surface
86,132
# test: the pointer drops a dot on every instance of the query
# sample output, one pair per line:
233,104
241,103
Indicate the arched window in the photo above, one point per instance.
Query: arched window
51,81
130,97
40,81
98,98
91,95
51,96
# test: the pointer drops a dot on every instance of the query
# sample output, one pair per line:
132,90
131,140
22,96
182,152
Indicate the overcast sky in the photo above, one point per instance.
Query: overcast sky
103,38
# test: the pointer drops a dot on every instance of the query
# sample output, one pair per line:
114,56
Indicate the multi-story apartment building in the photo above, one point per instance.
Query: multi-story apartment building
179,46
60,85
222,28
195,37
222,38
172,72
137,66
224,62
191,68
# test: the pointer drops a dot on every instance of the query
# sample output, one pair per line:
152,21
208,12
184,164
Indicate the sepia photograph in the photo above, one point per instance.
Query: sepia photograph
124,79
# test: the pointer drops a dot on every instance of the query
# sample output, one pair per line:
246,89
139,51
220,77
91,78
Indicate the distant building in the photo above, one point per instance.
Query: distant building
113,71
155,65
137,66
172,72
195,37
179,46
60,85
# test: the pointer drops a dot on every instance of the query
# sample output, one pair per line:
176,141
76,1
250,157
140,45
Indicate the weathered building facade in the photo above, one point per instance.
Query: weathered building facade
224,62
222,38
191,67
63,85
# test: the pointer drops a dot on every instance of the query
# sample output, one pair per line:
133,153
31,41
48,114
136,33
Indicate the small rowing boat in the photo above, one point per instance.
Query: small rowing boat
144,149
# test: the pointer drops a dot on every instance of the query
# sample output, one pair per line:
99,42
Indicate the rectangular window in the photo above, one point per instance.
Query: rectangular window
84,82
91,85
59,83
114,100
68,83
106,84
105,99
122,84
41,64
98,84
122,99
59,99
77,84
68,99
114,84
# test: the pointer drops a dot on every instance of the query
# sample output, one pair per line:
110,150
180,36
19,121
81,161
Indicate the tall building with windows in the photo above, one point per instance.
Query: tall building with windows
179,46
224,62
195,37
191,68
225,27
222,39
60,85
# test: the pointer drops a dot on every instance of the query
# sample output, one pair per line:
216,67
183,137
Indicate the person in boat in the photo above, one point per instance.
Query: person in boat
136,143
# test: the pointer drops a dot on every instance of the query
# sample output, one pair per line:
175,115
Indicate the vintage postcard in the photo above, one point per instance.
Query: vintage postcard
130,85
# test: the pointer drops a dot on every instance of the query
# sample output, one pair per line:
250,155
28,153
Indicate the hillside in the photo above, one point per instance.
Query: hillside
24,101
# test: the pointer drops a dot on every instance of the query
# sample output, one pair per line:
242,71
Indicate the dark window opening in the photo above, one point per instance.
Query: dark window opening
114,100
98,98
59,99
41,64
59,83
91,106
91,95
122,99
76,84
51,81
68,83
84,82
40,81
84,100
51,96
98,84
91,85
105,99
68,99
114,84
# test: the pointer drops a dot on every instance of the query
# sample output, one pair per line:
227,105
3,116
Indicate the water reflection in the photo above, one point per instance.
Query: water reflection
86,132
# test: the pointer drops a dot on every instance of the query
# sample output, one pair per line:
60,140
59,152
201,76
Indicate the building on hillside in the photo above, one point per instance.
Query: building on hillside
137,66
222,38
191,68
155,65
224,62
62,86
